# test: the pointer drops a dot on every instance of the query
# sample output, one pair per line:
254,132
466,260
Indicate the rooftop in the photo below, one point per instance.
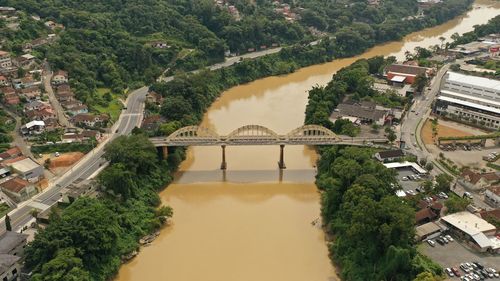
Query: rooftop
25,165
468,223
15,185
406,69
473,80
7,261
391,153
34,123
470,104
11,240
359,111
488,101
495,189
414,165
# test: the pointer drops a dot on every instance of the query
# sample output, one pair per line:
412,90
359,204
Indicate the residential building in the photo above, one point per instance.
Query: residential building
60,77
389,155
5,60
404,73
34,127
427,231
65,96
26,60
492,196
25,82
41,115
11,153
71,104
470,98
89,120
36,105
360,113
80,109
18,189
30,93
27,169
13,243
424,216
9,267
12,99
405,165
474,229
159,45
476,181
4,81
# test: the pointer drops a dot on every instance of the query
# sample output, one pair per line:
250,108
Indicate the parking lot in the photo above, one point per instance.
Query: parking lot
408,184
454,253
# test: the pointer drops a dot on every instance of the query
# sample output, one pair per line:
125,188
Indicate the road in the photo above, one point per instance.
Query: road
18,140
87,166
419,112
61,117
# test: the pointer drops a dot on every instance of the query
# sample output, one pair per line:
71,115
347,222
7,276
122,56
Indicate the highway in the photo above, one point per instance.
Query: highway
86,167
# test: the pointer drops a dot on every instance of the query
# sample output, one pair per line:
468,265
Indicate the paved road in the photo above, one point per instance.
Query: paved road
18,140
61,117
86,167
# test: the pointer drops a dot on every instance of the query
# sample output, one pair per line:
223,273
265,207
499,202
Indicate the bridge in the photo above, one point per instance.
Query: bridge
259,135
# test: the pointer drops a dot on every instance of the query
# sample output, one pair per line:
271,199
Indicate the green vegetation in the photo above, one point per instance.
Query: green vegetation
108,103
493,166
88,239
84,147
477,137
354,81
456,204
373,229
4,209
7,125
492,26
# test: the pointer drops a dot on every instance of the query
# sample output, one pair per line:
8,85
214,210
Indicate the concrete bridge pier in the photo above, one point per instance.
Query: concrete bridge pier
281,163
223,165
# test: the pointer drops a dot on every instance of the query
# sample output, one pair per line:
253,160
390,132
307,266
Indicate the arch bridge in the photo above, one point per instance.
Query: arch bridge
258,135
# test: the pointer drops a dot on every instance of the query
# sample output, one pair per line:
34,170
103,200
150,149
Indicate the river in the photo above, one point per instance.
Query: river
254,222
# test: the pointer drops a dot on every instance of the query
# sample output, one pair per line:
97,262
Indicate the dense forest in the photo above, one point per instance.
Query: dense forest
373,229
87,240
108,43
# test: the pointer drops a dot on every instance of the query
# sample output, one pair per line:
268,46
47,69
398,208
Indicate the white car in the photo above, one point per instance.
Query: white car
449,272
431,243
449,238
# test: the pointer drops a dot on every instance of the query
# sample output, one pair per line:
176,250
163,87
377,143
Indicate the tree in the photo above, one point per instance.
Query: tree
420,82
8,226
427,276
443,182
429,166
391,135
422,161
64,267
456,204
375,127
21,72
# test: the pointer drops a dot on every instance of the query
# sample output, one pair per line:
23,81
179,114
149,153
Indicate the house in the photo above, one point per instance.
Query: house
12,99
27,169
53,25
3,81
159,45
13,243
5,60
41,115
389,155
71,104
7,90
364,112
30,93
427,231
11,153
36,105
402,73
80,109
34,127
91,134
60,77
63,88
26,60
9,267
89,120
154,97
152,123
425,215
65,96
18,189
25,82
476,181
472,228
492,196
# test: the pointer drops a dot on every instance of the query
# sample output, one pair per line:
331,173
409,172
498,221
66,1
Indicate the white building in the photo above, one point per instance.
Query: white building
473,228
5,60
492,196
470,98
9,267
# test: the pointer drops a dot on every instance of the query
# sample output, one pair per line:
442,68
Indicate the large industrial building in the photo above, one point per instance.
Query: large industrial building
471,99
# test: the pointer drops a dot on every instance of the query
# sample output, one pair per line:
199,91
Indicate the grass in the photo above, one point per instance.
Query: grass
113,108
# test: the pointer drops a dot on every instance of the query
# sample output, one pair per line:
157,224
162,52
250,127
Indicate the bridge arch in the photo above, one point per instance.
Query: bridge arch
312,133
255,133
193,133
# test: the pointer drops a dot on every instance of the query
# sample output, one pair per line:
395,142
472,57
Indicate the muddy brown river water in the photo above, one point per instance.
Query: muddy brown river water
253,222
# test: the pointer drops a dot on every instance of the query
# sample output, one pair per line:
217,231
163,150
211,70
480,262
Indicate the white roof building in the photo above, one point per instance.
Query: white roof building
406,164
34,123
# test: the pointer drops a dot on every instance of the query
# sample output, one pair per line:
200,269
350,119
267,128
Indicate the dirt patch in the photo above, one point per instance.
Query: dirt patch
65,160
442,131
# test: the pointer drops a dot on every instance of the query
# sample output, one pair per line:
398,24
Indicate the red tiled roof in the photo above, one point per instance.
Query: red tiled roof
15,185
473,177
495,189
425,214
493,213
11,152
406,69
7,90
13,160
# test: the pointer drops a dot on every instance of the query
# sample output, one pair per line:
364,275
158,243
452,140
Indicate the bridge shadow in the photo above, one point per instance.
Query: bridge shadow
246,176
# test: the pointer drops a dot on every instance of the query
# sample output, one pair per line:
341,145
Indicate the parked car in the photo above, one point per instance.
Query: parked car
431,243
455,271
440,241
448,237
444,239
479,266
449,272
465,268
